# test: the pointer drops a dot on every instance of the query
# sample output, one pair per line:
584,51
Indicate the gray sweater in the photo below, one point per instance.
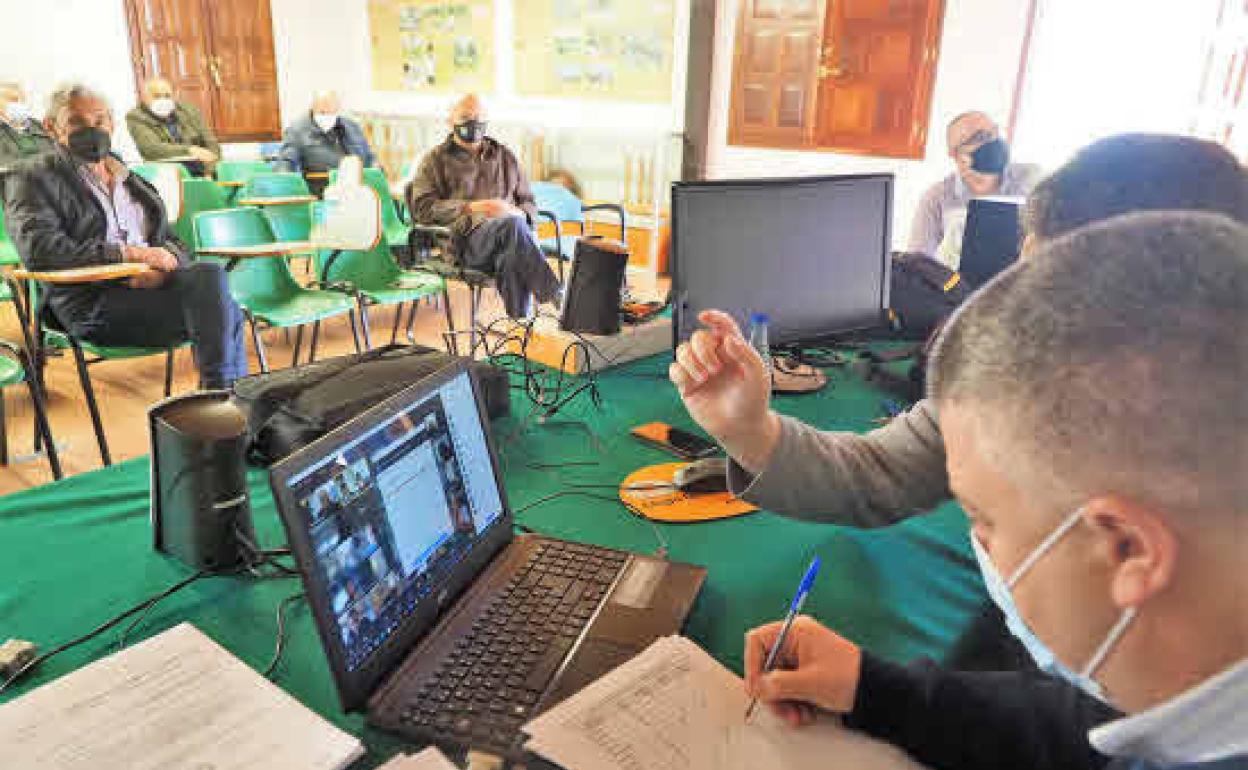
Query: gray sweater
858,480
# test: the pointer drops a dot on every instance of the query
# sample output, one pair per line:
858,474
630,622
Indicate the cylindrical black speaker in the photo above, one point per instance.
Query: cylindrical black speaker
592,304
201,512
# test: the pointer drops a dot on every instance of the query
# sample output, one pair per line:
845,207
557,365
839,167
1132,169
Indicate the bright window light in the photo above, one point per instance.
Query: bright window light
1102,67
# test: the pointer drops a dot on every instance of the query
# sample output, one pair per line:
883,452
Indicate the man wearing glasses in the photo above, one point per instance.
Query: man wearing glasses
983,166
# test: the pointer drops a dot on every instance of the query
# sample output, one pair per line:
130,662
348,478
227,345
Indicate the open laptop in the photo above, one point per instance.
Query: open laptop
992,238
435,617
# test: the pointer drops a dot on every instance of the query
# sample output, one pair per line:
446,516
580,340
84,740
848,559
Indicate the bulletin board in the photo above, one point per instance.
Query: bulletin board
432,46
609,49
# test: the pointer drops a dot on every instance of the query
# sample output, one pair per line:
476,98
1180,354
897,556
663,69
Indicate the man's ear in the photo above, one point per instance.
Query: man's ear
1139,546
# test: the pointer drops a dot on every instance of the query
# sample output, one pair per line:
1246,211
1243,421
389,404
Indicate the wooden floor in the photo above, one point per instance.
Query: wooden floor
126,388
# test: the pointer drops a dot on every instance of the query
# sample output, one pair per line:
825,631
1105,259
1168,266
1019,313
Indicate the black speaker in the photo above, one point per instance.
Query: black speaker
201,511
592,302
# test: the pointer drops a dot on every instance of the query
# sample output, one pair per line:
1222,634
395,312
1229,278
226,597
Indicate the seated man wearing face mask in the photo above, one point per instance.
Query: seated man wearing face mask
78,206
474,185
983,168
1107,499
21,136
889,474
163,128
320,139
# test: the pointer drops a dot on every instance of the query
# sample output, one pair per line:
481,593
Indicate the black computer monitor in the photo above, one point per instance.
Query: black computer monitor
992,239
811,253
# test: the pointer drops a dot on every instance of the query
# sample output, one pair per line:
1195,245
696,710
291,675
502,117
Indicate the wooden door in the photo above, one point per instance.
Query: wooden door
847,75
876,75
243,69
774,77
219,56
168,39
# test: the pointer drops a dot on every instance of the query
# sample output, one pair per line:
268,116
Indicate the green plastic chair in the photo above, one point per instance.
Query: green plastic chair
394,228
275,184
86,354
8,252
265,288
374,278
290,223
232,172
15,369
240,170
149,170
197,195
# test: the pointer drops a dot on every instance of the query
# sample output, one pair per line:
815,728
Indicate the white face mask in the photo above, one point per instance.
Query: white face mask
326,122
163,107
1000,592
17,112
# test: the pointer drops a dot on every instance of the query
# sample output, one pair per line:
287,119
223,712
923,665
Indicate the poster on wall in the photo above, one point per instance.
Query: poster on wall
609,49
432,46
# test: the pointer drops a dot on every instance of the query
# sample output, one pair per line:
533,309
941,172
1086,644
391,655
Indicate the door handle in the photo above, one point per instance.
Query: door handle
214,69
834,70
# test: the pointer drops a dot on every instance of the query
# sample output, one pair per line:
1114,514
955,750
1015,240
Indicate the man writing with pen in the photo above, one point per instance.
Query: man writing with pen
1107,503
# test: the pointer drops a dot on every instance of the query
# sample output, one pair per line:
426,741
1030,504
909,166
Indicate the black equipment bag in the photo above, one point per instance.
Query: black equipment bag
289,409
923,292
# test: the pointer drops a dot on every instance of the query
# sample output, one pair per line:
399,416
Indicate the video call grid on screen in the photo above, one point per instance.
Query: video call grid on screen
811,253
392,512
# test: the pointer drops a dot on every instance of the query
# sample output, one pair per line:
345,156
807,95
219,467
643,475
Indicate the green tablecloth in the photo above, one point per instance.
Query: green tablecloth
77,552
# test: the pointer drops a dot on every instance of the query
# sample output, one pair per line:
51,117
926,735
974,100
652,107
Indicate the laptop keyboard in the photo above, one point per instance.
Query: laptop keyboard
490,683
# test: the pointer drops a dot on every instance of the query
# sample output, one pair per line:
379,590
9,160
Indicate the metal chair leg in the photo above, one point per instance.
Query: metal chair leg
80,362
475,302
362,303
355,331
452,340
42,427
398,318
4,433
411,322
259,344
294,355
169,372
316,336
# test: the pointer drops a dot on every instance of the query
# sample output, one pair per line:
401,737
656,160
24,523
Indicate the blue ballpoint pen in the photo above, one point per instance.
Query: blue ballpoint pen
803,590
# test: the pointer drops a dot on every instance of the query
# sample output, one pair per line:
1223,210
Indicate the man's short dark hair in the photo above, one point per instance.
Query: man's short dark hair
1138,172
1112,361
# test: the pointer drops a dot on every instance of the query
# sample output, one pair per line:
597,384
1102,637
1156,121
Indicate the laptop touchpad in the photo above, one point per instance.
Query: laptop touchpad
639,584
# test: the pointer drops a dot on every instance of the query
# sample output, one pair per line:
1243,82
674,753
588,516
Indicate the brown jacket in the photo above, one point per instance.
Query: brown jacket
451,177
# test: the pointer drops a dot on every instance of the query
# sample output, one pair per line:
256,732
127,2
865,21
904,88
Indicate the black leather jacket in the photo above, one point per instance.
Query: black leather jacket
57,223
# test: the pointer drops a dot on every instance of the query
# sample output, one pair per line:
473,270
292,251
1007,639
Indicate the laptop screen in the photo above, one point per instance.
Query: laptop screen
389,510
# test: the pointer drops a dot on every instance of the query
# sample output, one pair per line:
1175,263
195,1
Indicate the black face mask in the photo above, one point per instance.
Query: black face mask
90,144
991,158
470,131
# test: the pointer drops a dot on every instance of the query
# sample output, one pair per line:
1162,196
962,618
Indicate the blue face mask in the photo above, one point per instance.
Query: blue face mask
999,592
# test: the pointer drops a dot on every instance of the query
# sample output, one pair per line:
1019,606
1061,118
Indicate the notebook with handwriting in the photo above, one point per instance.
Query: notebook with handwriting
673,707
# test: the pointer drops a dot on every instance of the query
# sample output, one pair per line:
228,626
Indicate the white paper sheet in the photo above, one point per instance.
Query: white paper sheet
177,701
673,707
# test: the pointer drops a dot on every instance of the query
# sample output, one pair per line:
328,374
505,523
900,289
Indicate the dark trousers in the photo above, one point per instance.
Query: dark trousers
507,249
194,303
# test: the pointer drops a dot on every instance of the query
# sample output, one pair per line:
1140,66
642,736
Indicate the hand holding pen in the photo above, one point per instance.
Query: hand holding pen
811,667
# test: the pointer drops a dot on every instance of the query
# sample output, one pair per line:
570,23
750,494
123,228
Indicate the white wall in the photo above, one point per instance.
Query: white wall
318,44
980,52
45,43
325,44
